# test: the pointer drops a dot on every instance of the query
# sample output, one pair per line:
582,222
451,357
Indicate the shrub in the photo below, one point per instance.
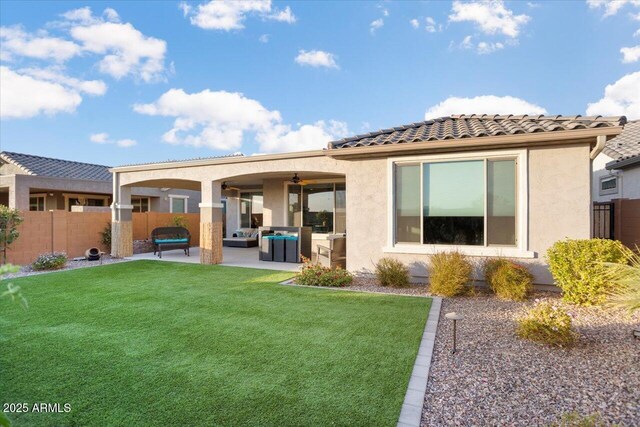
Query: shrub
625,283
10,219
314,274
507,279
105,235
391,272
578,267
547,323
179,221
54,261
450,274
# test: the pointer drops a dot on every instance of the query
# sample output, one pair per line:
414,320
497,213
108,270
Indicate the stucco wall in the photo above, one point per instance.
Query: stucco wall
628,180
558,197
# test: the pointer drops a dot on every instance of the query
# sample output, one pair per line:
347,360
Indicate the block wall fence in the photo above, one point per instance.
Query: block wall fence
75,232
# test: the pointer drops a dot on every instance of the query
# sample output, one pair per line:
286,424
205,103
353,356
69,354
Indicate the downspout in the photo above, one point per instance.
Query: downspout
601,140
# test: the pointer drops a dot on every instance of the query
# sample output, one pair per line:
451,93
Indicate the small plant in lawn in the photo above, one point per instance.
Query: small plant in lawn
314,274
507,279
391,272
53,261
450,274
547,323
579,268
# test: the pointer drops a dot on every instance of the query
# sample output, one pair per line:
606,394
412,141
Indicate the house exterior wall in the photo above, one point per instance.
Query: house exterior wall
628,180
558,195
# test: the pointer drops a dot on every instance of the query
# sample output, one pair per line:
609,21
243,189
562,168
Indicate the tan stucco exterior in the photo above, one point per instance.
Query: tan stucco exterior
557,196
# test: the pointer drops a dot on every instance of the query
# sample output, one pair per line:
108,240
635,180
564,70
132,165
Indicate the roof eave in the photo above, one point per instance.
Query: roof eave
623,164
469,144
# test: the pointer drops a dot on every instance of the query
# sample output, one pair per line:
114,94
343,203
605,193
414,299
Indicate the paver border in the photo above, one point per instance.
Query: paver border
411,412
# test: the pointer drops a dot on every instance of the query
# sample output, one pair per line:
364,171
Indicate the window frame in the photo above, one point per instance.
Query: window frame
608,191
178,196
139,199
333,181
520,250
42,196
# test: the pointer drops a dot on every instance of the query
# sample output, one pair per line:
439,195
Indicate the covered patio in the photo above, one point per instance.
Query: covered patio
232,257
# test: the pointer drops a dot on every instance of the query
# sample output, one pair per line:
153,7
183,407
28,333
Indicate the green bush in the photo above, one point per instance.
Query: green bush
507,279
105,235
578,267
547,323
313,274
391,272
450,274
54,261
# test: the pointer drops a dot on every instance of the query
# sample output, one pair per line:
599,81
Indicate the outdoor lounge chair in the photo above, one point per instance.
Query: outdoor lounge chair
242,238
334,255
165,238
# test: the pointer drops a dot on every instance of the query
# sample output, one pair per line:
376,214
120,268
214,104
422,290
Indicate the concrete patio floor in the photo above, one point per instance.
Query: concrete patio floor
233,257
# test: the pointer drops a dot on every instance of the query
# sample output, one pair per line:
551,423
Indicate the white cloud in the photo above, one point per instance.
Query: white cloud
484,48
486,104
264,38
82,15
630,54
620,98
220,120
491,17
227,15
376,25
385,12
24,96
103,138
126,50
126,143
111,15
14,41
430,25
466,43
415,23
316,58
611,7
99,138
56,75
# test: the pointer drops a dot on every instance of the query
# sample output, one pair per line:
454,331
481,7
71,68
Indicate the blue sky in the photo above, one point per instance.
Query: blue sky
127,82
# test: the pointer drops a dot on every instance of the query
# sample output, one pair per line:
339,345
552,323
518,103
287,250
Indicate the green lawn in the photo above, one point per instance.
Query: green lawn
159,343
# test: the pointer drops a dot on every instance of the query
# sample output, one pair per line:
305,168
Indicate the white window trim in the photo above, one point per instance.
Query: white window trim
314,236
522,211
609,191
177,196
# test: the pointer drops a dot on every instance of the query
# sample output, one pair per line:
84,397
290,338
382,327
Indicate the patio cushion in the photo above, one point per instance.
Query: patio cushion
171,240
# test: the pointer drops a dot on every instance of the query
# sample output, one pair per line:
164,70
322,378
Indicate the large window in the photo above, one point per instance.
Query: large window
321,206
471,203
251,206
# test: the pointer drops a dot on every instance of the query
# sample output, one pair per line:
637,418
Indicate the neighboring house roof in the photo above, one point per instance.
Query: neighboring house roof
624,149
184,160
475,126
49,167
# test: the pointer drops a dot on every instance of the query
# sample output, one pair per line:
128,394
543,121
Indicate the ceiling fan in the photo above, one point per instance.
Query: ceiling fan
297,180
226,186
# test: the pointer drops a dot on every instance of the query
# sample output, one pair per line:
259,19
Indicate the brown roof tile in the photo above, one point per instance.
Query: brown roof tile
475,126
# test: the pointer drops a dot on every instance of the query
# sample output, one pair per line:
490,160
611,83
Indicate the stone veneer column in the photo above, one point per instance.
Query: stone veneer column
121,217
211,223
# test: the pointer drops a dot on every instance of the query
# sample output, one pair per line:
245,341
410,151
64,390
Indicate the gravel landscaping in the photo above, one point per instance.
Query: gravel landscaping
498,379
71,265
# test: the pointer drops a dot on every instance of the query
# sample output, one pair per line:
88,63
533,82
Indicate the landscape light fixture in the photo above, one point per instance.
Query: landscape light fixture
455,317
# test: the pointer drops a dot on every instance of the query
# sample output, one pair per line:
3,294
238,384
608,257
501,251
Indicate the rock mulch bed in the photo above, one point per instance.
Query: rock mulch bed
498,379
370,284
71,265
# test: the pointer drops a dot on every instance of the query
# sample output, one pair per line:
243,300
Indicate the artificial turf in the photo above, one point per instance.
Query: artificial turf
159,343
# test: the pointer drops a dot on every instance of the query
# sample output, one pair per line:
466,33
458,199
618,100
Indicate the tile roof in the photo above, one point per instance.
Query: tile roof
183,160
46,166
475,126
626,145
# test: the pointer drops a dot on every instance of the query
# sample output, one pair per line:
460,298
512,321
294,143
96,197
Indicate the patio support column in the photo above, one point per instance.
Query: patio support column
18,195
211,223
121,217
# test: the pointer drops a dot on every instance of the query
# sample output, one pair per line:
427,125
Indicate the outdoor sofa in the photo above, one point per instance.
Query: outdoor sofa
242,238
165,238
